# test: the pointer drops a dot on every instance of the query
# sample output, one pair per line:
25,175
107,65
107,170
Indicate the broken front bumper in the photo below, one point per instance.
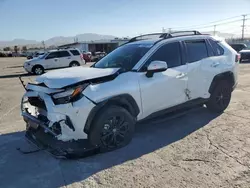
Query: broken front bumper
66,119
44,138
56,128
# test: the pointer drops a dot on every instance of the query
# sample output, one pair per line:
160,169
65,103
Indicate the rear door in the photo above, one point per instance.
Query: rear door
203,65
65,59
52,60
196,56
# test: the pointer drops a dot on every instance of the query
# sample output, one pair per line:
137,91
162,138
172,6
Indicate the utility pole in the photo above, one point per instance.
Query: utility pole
214,29
43,43
243,25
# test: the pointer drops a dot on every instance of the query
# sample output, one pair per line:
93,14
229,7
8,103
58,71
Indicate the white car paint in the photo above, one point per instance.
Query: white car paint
53,63
78,113
65,77
163,90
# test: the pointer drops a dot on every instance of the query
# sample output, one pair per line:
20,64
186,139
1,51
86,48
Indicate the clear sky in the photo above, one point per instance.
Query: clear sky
43,19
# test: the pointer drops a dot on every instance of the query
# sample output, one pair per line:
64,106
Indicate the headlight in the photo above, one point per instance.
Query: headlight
26,64
70,95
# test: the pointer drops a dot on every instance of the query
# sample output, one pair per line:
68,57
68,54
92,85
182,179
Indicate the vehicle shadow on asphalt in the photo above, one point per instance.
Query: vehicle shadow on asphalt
15,75
149,137
17,66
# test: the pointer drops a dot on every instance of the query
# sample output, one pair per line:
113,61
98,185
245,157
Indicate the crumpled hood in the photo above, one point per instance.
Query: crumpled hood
68,76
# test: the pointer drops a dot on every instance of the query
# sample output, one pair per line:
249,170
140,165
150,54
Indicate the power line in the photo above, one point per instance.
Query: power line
207,23
211,24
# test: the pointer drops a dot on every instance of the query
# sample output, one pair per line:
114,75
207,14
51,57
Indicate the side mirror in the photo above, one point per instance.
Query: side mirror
156,66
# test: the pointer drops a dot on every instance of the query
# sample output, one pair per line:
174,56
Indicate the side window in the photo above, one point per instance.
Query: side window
170,53
64,54
74,52
218,50
196,50
53,55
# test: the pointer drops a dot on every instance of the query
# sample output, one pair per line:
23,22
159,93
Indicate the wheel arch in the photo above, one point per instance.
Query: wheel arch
74,61
124,100
229,76
37,65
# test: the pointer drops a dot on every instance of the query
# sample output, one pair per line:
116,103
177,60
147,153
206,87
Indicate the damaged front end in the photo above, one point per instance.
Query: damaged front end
55,120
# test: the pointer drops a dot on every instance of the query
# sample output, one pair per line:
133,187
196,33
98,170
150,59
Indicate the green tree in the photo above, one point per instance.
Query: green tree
15,49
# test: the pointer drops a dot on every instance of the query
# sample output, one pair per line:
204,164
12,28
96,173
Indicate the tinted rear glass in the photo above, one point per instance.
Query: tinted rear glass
74,52
196,50
218,50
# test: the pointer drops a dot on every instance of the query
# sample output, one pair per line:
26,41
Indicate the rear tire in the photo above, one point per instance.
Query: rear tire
112,128
220,97
74,64
37,70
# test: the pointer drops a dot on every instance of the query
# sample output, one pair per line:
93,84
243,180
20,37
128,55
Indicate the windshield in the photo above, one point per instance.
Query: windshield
42,56
124,57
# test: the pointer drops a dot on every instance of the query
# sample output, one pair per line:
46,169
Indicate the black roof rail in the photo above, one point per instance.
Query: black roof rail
165,35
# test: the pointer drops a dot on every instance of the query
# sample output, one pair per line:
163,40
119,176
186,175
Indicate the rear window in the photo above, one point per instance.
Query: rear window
75,52
217,49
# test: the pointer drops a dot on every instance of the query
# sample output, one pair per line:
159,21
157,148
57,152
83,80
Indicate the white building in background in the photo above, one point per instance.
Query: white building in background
95,46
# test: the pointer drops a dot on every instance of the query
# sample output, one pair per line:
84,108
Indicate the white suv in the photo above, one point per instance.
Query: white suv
54,59
98,107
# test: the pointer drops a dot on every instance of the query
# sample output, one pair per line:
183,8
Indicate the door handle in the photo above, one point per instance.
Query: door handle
215,65
181,75
69,58
55,59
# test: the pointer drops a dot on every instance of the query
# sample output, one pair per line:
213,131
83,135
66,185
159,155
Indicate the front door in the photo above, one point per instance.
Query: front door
164,89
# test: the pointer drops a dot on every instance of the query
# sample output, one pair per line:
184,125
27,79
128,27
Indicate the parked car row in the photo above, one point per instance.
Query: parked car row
7,54
245,56
93,56
242,49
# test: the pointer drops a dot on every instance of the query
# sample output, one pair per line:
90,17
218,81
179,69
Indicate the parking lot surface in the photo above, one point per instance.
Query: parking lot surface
198,149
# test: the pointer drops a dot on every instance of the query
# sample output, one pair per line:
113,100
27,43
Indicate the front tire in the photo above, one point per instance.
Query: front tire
37,70
112,128
220,97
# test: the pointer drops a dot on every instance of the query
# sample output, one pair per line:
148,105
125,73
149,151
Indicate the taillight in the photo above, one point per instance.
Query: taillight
237,58
81,56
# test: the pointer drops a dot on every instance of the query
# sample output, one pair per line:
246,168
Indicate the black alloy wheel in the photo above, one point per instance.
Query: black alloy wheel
114,132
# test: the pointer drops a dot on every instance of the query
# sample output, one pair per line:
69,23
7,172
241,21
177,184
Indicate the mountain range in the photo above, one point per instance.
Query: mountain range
58,40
